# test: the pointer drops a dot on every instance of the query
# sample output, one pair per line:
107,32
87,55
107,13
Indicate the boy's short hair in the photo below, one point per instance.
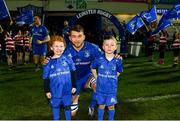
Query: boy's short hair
107,37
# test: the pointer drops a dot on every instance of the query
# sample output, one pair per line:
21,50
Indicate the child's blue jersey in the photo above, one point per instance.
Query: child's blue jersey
39,33
84,58
58,71
107,79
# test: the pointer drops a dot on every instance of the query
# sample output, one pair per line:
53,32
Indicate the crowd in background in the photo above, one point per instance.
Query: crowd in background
21,50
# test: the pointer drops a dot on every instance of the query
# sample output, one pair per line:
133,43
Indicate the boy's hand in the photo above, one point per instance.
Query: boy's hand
48,95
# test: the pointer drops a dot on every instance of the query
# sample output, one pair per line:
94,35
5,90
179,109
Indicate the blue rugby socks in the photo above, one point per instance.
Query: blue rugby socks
111,115
100,114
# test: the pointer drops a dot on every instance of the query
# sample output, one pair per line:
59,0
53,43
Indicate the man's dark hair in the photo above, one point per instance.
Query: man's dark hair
77,28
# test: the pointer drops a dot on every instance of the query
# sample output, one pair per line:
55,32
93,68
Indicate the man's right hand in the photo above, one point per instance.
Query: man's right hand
46,60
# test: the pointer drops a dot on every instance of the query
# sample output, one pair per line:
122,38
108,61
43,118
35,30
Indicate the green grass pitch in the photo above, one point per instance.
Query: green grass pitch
146,91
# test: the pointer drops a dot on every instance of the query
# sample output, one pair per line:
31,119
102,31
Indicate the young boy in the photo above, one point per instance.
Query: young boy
57,76
107,69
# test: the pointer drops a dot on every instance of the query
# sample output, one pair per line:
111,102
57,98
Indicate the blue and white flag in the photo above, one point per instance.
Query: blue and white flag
171,14
134,24
149,16
163,25
25,18
177,7
4,11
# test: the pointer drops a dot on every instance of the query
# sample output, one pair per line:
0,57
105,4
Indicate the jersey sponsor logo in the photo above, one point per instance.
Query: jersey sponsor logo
83,63
107,76
78,60
59,73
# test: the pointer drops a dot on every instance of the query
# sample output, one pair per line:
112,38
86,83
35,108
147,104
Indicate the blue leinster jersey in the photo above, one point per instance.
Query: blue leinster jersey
107,80
58,71
84,57
39,33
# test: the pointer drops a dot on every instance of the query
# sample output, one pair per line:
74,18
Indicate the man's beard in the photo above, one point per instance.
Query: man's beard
79,45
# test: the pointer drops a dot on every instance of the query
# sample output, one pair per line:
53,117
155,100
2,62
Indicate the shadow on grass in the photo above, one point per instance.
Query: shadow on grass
159,72
129,66
127,111
12,80
158,81
169,80
35,117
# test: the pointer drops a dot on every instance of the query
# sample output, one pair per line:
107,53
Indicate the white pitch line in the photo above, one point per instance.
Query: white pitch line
142,99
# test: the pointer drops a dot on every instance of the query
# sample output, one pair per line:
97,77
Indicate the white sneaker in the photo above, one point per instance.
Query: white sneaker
91,111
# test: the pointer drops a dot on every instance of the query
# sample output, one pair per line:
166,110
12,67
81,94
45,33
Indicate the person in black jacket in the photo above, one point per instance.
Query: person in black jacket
2,45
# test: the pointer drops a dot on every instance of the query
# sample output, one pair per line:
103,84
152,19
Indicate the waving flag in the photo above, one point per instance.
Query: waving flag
149,16
25,18
177,7
163,25
171,14
134,24
4,12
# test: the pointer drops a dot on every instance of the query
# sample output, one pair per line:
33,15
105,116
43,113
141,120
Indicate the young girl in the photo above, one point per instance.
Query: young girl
26,47
57,75
18,39
176,49
162,46
10,48
106,69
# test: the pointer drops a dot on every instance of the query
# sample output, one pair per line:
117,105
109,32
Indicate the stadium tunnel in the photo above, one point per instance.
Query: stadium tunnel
91,20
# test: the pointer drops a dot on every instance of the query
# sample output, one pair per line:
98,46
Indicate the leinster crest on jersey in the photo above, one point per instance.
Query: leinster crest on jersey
113,68
86,54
